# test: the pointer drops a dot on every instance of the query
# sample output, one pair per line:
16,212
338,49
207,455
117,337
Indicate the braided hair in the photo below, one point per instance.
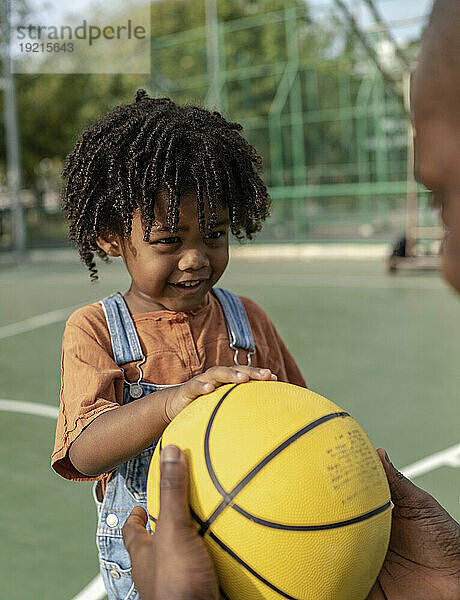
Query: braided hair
121,161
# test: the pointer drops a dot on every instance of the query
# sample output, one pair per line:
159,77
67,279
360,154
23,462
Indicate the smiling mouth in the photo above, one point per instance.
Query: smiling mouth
188,286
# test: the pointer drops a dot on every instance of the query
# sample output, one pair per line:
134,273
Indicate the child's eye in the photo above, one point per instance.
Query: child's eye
169,240
215,235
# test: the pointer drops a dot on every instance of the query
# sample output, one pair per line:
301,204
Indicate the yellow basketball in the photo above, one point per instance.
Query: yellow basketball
286,489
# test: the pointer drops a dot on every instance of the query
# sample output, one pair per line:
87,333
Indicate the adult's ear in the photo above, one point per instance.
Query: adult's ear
110,244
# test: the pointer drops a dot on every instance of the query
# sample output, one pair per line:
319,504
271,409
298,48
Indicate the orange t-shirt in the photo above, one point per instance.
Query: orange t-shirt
177,346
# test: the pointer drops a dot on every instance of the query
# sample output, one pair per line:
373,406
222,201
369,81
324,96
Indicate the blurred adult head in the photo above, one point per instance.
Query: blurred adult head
436,114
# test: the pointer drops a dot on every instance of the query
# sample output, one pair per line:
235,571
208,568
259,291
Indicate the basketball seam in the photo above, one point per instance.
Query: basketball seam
334,525
228,497
239,560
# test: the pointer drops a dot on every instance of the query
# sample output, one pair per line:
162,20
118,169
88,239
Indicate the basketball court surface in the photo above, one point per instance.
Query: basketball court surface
384,348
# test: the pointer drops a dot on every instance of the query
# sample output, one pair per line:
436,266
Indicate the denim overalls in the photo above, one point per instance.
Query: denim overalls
127,486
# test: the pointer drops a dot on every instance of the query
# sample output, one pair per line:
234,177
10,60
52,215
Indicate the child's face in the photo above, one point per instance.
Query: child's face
174,271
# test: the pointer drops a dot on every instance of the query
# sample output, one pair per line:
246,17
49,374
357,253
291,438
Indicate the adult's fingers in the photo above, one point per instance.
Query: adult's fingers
173,487
134,527
411,502
376,592
403,491
140,545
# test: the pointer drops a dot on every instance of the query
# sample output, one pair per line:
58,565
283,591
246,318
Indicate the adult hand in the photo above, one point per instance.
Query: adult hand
172,564
423,559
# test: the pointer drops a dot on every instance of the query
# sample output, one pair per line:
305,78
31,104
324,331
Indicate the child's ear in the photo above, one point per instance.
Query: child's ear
110,244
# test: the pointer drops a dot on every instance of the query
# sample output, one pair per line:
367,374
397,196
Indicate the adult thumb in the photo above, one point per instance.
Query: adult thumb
403,491
173,486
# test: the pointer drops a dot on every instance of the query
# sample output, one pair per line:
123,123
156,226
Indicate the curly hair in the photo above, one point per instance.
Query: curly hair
135,150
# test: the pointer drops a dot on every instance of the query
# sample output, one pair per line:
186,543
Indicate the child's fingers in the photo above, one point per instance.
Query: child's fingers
256,373
237,374
216,376
212,378
197,387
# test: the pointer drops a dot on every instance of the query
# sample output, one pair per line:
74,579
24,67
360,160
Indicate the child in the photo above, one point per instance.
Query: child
160,185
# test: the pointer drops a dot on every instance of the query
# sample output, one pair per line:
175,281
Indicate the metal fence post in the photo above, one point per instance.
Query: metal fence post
14,178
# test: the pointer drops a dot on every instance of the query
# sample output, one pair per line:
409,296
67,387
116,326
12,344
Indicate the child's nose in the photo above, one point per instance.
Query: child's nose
193,258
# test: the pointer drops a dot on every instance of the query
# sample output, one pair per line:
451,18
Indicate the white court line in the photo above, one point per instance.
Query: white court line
445,458
29,408
53,316
95,588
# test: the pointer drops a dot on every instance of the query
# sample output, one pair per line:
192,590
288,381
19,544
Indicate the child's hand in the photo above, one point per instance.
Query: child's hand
179,397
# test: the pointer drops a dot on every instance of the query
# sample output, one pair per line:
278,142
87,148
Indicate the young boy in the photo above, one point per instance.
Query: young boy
160,185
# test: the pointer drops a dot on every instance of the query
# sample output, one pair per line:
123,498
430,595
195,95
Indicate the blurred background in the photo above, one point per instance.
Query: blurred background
346,266
319,86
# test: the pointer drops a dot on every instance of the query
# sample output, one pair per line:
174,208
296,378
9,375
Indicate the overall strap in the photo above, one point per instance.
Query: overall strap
123,335
239,330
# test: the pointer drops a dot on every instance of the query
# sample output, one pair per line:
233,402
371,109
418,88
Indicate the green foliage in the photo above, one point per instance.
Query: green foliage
325,125
53,109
